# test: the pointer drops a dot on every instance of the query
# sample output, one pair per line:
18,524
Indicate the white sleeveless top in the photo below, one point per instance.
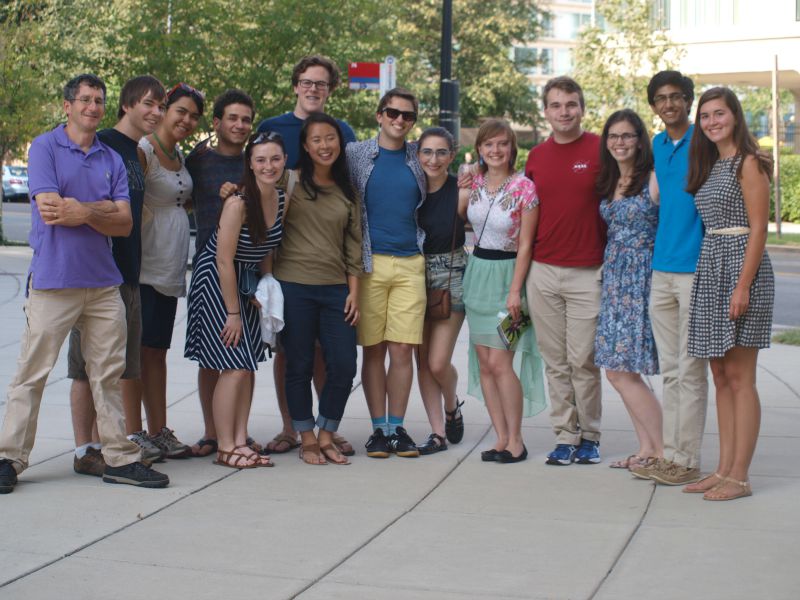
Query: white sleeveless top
165,225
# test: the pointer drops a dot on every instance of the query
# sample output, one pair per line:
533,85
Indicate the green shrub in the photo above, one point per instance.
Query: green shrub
790,190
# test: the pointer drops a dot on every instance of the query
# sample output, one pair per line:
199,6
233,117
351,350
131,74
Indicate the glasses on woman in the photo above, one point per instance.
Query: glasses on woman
624,137
409,116
438,153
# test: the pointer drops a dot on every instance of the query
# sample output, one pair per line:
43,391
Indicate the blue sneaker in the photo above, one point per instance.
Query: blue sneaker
588,452
564,454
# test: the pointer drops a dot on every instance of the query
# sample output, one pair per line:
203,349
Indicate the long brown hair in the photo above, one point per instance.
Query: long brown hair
703,153
609,174
249,187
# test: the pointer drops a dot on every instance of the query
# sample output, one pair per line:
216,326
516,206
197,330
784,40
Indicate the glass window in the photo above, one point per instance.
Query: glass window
563,61
525,60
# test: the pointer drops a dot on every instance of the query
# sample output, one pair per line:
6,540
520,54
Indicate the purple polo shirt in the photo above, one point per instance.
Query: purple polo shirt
72,257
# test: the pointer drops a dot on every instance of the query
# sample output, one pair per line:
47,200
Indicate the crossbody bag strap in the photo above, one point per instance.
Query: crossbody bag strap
453,245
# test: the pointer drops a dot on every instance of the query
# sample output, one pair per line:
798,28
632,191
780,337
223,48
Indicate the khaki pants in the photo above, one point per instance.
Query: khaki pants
685,396
564,303
100,316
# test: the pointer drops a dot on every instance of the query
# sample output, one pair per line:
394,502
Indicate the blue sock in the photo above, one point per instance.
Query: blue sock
380,423
394,423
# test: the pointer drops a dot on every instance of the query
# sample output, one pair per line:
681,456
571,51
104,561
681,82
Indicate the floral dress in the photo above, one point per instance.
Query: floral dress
624,340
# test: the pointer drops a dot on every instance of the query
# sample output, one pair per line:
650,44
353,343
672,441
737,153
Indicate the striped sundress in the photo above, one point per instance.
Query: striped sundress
207,312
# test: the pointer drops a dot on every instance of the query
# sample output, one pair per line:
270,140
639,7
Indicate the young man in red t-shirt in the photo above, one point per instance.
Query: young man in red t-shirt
563,286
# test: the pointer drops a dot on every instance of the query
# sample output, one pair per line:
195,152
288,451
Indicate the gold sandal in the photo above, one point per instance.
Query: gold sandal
743,492
709,476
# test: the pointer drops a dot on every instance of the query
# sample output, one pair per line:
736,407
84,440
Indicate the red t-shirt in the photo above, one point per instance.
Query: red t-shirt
571,232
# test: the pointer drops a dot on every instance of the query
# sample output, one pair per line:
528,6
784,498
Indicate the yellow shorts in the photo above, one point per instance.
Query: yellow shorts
392,300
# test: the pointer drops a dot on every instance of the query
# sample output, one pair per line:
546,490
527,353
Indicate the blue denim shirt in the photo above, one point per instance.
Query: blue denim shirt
360,161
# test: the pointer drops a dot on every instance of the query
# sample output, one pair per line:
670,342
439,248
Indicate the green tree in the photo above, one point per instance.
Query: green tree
616,58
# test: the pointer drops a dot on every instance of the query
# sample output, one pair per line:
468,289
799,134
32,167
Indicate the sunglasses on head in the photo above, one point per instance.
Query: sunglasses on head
267,136
409,116
186,88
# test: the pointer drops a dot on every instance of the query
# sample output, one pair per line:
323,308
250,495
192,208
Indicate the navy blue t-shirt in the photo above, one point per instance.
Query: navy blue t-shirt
128,250
288,125
391,198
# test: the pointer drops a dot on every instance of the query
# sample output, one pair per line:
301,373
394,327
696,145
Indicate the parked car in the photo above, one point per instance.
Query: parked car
15,183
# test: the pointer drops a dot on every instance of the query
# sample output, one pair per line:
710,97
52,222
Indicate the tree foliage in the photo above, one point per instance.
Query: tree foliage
616,58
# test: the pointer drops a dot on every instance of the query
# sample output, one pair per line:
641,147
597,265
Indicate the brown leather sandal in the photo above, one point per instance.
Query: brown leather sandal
686,489
312,449
743,491
233,460
261,460
331,454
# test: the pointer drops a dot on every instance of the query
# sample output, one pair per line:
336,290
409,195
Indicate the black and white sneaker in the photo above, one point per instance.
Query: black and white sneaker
378,445
135,474
8,476
401,444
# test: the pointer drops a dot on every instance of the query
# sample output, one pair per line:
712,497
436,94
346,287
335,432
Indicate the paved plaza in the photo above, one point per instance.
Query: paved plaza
440,527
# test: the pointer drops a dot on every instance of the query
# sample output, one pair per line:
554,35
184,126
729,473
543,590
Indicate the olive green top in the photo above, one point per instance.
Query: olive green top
321,238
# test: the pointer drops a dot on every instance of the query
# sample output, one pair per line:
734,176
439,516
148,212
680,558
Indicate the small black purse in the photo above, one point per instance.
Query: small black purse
248,282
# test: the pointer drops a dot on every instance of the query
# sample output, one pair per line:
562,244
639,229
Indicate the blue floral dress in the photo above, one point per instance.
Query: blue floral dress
624,340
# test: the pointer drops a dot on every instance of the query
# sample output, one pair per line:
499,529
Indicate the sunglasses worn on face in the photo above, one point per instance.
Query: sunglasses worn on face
409,116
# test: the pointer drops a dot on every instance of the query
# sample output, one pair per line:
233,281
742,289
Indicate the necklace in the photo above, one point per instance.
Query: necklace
171,156
500,189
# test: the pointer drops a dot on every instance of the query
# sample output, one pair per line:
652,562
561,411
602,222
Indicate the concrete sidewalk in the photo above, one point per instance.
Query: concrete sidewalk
444,527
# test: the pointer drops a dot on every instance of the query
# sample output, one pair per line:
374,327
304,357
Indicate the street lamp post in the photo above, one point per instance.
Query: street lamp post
449,117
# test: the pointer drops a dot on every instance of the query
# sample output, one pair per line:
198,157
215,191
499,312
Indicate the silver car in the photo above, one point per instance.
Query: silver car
15,183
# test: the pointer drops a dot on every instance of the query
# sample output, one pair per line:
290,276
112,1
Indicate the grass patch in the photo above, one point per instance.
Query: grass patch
786,239
790,337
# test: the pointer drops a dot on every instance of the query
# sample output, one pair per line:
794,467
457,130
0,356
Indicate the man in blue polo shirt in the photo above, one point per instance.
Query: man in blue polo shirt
80,192
677,247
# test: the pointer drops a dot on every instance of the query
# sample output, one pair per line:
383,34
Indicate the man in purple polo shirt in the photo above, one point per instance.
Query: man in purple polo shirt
80,191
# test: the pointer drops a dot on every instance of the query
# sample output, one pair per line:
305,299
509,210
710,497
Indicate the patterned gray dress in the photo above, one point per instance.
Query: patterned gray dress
711,334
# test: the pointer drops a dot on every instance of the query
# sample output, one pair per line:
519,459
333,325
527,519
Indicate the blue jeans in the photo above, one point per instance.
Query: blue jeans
311,313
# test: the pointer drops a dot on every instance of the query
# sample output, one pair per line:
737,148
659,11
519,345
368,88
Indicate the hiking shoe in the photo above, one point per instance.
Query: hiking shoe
135,474
401,444
588,453
652,463
564,454
91,463
8,476
150,451
671,473
378,445
166,441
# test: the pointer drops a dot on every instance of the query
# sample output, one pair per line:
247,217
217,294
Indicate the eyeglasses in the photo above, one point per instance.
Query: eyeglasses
307,84
673,98
266,136
87,100
186,88
625,137
409,116
438,153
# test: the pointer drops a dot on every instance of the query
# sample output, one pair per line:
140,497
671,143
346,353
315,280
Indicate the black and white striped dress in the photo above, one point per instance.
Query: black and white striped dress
207,312
711,333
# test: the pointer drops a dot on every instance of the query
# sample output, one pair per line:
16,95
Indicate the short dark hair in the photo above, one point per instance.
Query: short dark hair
74,84
398,92
137,88
232,96
184,90
567,85
439,132
317,60
675,78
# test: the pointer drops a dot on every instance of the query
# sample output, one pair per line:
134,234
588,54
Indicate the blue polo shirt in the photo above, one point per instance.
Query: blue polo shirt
289,125
72,257
680,230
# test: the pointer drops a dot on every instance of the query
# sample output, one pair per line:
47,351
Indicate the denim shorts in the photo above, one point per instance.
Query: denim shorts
437,273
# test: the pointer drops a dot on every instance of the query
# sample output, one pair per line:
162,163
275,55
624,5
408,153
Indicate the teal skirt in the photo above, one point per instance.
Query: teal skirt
486,285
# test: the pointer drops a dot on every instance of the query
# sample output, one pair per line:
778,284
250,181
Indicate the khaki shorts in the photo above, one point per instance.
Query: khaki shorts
392,300
76,366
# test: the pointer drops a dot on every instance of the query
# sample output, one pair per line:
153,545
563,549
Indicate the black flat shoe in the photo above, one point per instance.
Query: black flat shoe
506,457
434,443
490,455
454,423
